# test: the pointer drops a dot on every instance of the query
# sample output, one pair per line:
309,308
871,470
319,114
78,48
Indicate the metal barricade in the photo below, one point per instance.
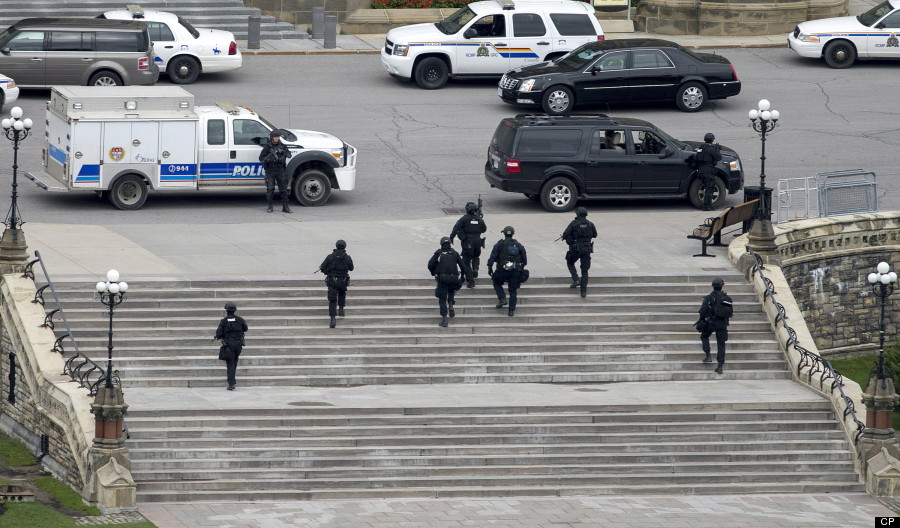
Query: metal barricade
796,199
847,192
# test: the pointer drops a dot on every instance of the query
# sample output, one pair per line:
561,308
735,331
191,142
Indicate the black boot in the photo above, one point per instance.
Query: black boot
502,303
341,311
471,284
269,208
719,369
584,292
452,311
512,313
285,208
444,321
708,358
576,282
333,322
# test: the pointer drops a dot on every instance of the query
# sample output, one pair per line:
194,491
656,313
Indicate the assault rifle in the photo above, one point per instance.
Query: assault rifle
480,213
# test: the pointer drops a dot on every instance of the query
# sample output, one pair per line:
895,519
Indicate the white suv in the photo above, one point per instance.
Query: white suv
487,39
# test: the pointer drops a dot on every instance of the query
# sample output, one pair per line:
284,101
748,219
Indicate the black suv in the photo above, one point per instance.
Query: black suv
563,158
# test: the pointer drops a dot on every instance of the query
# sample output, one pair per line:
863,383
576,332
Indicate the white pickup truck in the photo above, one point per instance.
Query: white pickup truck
129,139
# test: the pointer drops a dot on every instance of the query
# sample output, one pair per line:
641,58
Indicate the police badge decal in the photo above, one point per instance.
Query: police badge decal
116,153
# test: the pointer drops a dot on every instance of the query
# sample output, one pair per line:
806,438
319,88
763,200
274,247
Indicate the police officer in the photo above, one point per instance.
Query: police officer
511,260
709,154
469,228
337,267
447,268
579,235
716,310
274,157
231,331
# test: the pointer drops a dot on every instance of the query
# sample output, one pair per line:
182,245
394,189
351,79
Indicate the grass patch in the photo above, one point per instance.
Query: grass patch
13,453
65,495
858,369
33,515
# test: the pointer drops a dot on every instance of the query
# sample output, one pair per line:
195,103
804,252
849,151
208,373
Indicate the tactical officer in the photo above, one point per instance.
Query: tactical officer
511,260
274,157
469,228
231,331
716,310
579,235
709,154
337,267
448,269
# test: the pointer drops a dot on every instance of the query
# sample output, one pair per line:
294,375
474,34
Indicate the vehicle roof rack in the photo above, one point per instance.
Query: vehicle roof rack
228,107
507,4
564,116
135,10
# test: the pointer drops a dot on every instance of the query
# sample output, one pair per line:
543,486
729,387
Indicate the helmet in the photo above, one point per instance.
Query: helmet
445,241
717,283
230,307
275,133
709,137
581,211
509,231
340,244
471,207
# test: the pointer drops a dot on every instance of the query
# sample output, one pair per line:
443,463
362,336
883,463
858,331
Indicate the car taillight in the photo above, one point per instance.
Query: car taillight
733,73
512,165
143,64
232,48
601,37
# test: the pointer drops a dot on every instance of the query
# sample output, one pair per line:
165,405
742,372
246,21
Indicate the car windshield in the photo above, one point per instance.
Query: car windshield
580,57
677,142
873,15
287,135
187,25
5,35
453,23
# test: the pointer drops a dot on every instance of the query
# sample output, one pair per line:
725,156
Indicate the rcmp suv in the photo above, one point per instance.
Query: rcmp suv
560,159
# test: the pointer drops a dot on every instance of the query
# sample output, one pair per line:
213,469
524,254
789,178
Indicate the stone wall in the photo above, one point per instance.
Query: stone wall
826,262
730,18
299,12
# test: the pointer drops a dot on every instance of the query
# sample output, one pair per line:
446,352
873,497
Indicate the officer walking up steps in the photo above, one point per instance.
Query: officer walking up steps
447,268
469,228
716,310
709,155
231,331
511,260
274,157
337,267
580,235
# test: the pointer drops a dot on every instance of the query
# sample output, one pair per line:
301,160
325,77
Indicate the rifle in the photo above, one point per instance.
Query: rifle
558,239
317,271
480,210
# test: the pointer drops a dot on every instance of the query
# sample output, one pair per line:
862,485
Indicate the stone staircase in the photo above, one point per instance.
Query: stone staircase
634,331
228,15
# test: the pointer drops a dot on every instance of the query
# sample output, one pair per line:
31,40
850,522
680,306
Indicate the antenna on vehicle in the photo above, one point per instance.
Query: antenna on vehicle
507,4
135,10
228,107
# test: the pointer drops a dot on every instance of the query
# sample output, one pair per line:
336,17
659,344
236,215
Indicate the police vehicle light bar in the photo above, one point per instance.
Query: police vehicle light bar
135,10
228,107
507,4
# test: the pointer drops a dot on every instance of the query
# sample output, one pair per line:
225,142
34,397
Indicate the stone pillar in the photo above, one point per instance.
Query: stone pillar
13,251
111,487
880,400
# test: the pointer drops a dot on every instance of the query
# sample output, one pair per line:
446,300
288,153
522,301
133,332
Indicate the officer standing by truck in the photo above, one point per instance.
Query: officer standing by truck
274,157
447,268
337,267
709,154
580,235
469,228
511,259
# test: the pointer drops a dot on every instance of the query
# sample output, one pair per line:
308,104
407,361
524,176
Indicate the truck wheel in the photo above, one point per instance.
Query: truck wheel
697,193
183,70
312,188
128,192
559,195
431,73
105,78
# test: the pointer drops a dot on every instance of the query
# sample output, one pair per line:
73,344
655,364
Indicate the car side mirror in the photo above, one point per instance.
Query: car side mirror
470,33
666,153
879,25
5,50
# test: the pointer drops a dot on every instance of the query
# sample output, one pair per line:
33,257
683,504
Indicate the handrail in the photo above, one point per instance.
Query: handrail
79,367
816,363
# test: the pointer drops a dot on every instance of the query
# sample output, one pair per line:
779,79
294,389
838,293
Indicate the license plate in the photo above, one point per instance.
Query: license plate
500,92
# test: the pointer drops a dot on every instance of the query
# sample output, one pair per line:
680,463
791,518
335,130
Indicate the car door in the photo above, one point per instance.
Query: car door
164,45
652,76
214,154
244,167
653,174
480,52
605,81
23,58
610,168
69,54
530,42
883,42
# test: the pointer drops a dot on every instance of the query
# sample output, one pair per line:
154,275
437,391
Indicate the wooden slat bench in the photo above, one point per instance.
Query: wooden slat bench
712,227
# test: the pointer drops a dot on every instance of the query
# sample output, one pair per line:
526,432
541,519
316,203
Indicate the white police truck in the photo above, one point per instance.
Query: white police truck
127,140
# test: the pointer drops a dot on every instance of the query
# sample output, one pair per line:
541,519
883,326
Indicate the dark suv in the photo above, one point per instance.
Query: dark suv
561,159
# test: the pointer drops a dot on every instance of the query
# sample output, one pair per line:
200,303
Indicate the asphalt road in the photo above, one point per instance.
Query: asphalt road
422,151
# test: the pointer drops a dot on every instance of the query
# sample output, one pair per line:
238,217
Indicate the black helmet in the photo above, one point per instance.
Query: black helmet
471,207
445,241
717,283
581,211
230,307
275,133
340,244
709,137
509,231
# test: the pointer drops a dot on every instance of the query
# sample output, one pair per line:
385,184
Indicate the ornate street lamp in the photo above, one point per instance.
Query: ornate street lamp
882,281
13,247
112,293
762,236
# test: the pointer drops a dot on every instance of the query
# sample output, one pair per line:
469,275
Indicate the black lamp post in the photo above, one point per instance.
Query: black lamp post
13,246
762,236
882,281
112,293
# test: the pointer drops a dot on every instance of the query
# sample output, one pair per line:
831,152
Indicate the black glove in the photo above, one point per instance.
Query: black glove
490,272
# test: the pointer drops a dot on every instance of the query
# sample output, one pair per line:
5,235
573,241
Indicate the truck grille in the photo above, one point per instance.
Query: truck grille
508,83
388,46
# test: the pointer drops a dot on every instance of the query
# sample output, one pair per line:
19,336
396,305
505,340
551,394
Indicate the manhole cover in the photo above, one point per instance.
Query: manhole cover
311,404
453,210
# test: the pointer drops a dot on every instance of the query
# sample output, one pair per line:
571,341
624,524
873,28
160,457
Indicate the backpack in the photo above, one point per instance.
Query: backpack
722,307
510,255
446,268
583,230
339,264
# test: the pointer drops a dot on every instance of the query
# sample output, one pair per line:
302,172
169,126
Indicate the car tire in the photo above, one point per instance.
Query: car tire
839,54
2,100
696,193
532,196
183,70
557,100
691,97
559,195
312,188
128,192
432,73
105,78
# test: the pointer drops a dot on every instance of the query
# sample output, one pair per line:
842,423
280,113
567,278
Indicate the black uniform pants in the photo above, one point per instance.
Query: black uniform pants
721,331
572,256
337,292
277,173
232,362
446,293
513,278
708,177
471,255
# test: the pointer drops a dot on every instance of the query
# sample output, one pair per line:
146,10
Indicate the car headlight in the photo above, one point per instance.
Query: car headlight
338,154
807,38
11,84
401,49
527,85
735,165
